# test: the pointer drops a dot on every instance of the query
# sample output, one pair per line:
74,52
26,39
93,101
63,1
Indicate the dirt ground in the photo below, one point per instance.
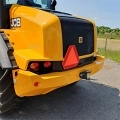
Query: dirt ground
111,44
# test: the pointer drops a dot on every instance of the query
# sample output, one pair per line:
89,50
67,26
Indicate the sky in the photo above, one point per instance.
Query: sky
102,12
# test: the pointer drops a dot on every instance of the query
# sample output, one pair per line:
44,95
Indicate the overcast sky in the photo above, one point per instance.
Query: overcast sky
103,12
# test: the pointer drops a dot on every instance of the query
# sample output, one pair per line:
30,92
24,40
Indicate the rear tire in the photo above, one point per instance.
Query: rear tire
8,98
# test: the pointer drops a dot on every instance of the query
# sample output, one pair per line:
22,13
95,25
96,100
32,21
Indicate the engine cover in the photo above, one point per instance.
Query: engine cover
78,32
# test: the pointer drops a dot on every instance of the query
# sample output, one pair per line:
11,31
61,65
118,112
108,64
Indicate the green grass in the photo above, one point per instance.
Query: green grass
116,37
113,55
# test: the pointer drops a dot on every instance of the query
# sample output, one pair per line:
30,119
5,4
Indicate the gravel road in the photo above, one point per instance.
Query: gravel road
97,99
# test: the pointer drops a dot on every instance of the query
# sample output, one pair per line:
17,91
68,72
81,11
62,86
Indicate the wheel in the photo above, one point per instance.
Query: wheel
8,98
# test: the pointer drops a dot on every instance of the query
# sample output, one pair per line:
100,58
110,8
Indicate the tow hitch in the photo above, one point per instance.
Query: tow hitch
85,75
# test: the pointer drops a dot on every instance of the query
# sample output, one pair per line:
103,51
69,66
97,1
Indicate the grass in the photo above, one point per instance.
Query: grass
113,55
115,37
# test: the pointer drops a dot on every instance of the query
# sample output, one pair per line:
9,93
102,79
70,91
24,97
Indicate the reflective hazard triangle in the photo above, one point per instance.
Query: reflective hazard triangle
71,58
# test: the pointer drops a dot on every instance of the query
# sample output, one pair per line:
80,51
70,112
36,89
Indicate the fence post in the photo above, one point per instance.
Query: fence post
106,42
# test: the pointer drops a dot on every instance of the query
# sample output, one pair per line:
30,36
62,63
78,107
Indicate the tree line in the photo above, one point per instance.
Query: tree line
107,31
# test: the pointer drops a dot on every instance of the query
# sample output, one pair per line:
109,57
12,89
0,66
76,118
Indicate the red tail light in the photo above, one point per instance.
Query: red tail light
40,67
47,64
34,66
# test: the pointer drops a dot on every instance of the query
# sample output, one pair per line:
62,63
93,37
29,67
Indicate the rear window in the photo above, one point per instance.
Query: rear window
43,3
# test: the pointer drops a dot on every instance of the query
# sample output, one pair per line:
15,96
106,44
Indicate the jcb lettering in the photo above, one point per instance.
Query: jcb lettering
15,22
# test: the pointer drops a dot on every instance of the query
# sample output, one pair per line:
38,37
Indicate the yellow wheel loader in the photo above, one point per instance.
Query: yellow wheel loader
42,49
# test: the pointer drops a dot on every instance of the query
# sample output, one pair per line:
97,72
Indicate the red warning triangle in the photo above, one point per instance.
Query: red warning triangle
71,58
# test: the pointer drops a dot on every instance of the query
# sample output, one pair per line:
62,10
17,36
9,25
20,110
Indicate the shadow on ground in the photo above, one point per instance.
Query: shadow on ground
85,100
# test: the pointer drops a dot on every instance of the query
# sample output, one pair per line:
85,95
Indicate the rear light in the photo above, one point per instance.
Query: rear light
47,64
40,67
34,66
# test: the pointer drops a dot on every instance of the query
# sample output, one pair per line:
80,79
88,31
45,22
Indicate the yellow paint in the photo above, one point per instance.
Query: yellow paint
40,39
40,33
47,82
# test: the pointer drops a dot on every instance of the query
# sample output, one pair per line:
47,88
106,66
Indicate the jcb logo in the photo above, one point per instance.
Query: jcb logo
80,40
15,22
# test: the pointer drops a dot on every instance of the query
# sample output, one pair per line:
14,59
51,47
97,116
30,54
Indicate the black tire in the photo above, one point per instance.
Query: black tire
8,98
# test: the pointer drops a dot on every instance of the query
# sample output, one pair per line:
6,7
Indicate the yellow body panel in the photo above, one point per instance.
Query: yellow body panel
40,35
39,38
25,80
40,32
